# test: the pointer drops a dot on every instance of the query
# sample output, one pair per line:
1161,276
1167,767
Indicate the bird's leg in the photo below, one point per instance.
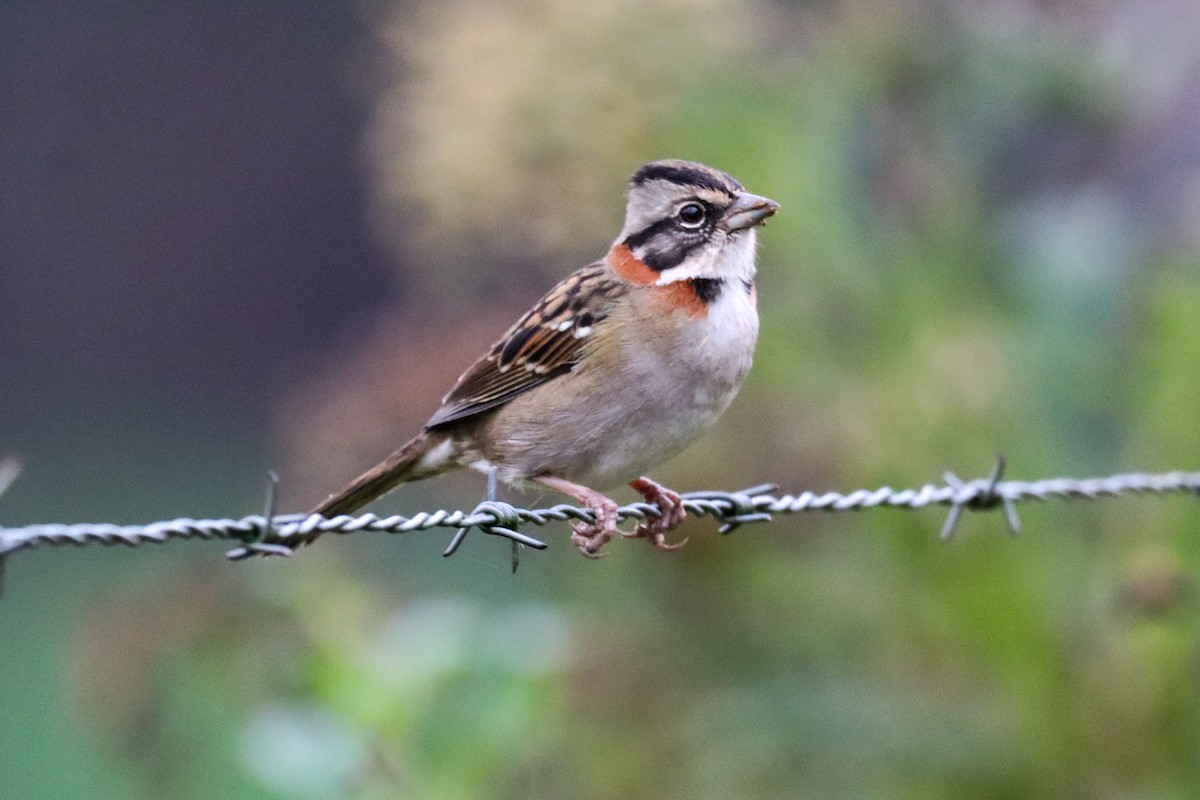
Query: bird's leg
589,537
671,506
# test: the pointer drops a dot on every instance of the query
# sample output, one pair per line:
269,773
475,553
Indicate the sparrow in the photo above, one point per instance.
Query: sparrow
617,368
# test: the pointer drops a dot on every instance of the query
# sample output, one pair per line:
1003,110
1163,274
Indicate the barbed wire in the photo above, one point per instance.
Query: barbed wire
279,534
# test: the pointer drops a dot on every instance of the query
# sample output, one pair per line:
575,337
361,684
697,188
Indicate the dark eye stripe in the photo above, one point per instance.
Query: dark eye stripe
672,256
662,245
636,240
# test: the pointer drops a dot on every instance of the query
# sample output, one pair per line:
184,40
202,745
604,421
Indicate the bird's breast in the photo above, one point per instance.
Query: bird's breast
682,369
657,374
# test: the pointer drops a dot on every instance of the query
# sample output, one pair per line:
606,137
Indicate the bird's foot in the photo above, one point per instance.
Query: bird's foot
590,537
673,513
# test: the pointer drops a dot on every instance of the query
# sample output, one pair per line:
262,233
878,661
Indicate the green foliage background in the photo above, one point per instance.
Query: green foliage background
987,244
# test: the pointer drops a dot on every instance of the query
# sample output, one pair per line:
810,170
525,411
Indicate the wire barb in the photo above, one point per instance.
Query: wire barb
980,496
275,534
506,516
261,546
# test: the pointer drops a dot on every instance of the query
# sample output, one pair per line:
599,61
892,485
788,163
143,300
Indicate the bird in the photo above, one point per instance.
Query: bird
617,368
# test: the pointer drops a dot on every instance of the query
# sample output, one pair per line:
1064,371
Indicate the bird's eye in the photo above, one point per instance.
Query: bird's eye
691,215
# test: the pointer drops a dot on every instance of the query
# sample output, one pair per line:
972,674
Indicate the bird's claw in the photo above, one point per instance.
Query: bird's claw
670,505
590,537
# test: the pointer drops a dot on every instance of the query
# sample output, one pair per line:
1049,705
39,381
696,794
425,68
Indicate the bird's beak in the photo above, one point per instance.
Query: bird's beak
748,210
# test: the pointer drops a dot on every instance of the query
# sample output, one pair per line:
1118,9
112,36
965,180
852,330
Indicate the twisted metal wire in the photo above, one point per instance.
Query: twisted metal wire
271,534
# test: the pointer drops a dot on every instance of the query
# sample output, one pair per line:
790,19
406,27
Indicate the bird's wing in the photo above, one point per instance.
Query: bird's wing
543,344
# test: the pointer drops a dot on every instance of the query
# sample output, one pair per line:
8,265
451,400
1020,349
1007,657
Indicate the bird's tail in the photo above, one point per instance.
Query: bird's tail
424,455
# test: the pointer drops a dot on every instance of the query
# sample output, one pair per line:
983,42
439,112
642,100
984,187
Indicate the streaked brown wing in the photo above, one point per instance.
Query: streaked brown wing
543,344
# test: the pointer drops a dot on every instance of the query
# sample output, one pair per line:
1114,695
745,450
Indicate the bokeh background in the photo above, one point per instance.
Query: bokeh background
268,236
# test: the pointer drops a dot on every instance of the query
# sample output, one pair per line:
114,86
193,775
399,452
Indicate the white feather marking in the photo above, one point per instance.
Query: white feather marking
437,455
583,331
482,465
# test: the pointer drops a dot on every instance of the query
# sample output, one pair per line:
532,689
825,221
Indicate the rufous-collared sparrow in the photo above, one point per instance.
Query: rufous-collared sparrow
616,369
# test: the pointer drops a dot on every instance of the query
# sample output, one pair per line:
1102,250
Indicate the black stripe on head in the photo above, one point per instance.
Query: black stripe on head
684,173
